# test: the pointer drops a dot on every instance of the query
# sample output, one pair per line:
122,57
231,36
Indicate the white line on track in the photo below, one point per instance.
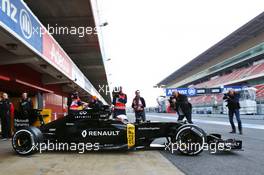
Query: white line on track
245,125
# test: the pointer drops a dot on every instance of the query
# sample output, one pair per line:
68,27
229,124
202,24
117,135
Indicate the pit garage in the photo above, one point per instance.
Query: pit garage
85,47
33,61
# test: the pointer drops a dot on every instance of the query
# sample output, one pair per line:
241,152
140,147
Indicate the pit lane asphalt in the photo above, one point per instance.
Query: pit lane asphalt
95,163
250,161
92,163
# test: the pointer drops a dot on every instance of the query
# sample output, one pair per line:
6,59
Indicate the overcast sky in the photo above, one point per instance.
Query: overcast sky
149,39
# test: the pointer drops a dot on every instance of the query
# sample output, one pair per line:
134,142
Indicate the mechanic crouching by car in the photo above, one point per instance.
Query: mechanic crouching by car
26,107
119,102
232,99
6,114
181,105
138,105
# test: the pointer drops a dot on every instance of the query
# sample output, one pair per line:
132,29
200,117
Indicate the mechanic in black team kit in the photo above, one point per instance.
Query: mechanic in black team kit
6,112
26,107
119,102
181,105
138,105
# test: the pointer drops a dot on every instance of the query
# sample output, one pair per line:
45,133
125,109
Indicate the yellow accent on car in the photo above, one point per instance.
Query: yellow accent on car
47,118
130,135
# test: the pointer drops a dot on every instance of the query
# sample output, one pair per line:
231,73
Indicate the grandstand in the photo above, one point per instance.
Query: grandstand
237,60
260,92
244,75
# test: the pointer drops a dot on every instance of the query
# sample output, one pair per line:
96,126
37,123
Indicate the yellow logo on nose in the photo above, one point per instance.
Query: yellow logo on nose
130,135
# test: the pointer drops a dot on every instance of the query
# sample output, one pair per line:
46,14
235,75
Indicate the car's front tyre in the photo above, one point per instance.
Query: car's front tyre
190,140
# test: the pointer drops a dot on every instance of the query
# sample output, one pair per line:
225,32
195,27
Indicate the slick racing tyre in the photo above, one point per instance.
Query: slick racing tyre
26,141
190,140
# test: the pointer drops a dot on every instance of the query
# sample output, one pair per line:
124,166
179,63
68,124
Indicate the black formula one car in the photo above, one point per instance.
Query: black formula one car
96,129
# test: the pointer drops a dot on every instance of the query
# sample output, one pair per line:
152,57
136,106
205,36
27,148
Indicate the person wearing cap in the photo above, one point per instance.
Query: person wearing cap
181,105
138,105
6,113
232,99
119,102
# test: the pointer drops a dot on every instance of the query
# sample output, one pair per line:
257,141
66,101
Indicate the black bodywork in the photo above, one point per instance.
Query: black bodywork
95,126
98,128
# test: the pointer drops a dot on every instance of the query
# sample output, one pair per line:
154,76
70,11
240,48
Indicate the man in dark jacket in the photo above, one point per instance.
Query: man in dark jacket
6,110
232,99
181,105
26,107
138,105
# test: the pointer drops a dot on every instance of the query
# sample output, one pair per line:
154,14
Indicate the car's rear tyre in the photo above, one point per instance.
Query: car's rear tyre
190,140
26,141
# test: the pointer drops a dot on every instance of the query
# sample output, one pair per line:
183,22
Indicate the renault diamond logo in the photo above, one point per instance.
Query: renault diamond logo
84,133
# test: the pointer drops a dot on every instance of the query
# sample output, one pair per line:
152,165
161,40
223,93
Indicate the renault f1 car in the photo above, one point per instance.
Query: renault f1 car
95,126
